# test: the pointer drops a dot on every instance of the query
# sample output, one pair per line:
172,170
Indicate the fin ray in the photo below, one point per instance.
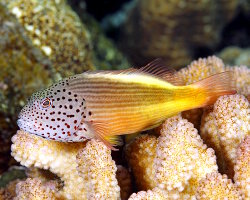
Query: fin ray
101,131
155,68
216,86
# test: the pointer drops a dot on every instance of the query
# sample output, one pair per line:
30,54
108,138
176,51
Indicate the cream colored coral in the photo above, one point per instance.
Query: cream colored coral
201,68
241,79
31,189
97,168
140,154
155,194
224,127
182,158
232,115
125,181
209,134
242,168
58,157
217,187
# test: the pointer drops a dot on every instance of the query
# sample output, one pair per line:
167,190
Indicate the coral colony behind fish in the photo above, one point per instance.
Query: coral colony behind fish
105,104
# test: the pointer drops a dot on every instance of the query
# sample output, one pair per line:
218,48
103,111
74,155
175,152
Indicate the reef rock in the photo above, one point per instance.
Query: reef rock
174,30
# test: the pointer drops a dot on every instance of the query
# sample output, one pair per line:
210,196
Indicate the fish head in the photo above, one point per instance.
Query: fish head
54,113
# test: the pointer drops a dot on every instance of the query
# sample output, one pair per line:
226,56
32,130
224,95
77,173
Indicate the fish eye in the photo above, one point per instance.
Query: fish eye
45,103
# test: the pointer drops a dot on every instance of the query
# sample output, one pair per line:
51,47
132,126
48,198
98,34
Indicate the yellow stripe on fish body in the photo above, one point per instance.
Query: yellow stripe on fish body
127,103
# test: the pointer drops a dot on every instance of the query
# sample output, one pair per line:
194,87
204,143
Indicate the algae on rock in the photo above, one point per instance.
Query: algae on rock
57,31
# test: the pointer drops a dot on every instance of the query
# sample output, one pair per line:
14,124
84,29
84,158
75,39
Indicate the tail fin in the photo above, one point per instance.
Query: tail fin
216,86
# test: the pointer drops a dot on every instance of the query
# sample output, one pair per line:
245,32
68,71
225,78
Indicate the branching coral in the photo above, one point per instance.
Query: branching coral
209,133
201,68
225,127
98,170
154,194
34,189
173,163
59,158
234,55
242,168
87,170
217,187
241,79
232,114
182,158
140,154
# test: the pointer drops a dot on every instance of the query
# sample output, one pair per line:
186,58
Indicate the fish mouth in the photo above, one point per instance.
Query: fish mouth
23,124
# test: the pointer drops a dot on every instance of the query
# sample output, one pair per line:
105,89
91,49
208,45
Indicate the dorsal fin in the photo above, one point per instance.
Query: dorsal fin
155,68
158,69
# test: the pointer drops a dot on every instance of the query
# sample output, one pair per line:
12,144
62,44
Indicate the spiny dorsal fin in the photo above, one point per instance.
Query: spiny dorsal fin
155,68
158,69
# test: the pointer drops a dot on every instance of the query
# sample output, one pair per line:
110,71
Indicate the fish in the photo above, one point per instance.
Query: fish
106,104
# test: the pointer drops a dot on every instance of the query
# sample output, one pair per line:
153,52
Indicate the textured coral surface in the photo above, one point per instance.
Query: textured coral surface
174,30
55,29
215,186
242,167
24,69
98,170
59,158
225,127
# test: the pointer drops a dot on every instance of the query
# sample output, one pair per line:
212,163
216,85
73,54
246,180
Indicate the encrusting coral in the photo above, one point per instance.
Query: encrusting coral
242,167
225,127
217,187
56,30
158,28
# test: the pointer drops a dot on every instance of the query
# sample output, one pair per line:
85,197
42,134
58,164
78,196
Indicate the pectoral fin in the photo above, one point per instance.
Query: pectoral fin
101,131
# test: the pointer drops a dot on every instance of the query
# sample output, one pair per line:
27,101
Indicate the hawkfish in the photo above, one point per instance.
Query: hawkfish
106,104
